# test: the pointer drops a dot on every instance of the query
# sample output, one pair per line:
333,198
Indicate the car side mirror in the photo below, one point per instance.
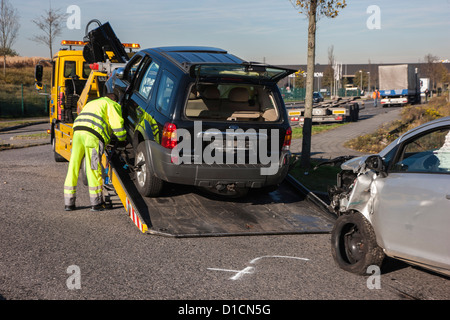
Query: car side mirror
38,75
375,163
119,73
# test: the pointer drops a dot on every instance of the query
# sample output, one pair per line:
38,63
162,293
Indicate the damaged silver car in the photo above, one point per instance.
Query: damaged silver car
396,203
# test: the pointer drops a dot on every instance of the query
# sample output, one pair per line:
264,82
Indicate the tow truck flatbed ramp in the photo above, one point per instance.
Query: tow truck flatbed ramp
184,211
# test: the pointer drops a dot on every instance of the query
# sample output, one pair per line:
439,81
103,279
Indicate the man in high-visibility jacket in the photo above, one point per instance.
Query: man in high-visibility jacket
93,128
376,96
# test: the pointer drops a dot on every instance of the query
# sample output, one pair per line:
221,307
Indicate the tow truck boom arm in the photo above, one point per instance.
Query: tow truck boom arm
99,41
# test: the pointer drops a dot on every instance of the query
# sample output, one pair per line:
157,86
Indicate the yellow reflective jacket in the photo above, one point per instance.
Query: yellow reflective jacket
102,117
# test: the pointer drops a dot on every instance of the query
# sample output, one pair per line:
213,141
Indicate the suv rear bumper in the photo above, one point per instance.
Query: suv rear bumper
204,175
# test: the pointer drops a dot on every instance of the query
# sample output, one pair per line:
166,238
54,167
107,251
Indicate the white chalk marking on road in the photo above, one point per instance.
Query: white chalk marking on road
238,275
250,270
285,257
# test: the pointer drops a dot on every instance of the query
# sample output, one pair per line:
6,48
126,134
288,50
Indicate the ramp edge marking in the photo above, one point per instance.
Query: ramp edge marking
134,217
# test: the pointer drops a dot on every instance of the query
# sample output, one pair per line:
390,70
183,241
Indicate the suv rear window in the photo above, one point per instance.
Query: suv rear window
232,102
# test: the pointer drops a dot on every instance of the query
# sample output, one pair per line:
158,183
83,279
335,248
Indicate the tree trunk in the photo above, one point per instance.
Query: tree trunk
305,160
50,40
4,67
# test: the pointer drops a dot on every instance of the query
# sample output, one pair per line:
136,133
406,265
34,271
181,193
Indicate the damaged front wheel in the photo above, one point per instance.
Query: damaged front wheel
353,244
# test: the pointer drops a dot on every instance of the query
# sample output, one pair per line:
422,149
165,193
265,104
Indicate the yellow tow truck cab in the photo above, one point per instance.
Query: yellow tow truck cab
69,76
73,84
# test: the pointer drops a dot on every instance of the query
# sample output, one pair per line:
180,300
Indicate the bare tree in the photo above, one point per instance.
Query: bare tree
431,69
328,74
313,9
50,23
9,29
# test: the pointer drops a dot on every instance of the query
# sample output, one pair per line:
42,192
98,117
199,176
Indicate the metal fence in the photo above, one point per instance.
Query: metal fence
298,94
22,101
25,101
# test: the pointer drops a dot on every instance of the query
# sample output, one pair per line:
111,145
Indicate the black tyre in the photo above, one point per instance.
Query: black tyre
147,183
58,157
351,113
353,244
355,113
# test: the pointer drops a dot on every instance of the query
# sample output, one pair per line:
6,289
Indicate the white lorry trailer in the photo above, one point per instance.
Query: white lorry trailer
398,85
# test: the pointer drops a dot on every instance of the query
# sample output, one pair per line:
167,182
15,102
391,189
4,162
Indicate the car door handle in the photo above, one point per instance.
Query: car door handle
447,197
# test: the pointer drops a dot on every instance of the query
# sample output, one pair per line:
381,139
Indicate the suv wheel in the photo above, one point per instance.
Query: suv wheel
147,183
353,244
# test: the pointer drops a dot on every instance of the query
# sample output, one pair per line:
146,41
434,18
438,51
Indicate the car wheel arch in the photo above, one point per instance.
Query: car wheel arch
137,139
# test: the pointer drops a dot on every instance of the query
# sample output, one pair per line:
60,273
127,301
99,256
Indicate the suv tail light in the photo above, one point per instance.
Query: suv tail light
287,139
169,136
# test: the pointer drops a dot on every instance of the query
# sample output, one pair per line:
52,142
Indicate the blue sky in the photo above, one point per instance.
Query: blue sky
257,30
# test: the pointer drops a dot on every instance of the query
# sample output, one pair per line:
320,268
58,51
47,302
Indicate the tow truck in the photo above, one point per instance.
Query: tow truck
78,76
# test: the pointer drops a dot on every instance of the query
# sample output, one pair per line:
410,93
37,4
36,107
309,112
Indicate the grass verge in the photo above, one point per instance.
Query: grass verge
297,132
319,179
33,136
411,117
14,123
316,179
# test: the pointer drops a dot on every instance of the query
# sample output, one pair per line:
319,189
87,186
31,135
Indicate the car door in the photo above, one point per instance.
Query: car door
122,78
140,94
412,203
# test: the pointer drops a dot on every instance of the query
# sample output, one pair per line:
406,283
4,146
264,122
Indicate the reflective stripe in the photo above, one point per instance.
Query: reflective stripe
95,193
96,199
69,200
70,190
121,135
95,188
95,124
119,130
94,116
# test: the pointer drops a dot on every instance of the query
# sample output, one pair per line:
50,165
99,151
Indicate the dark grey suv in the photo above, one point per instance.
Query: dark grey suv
203,117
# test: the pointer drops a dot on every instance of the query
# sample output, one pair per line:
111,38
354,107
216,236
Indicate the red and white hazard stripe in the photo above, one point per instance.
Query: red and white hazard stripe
134,217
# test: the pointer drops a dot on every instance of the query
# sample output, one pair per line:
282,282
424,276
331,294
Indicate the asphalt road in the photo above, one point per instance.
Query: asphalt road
330,144
23,136
49,254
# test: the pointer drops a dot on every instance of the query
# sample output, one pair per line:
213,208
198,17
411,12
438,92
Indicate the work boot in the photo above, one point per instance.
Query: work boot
99,207
69,208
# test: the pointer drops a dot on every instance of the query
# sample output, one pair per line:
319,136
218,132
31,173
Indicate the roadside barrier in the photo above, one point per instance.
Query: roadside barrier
22,101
